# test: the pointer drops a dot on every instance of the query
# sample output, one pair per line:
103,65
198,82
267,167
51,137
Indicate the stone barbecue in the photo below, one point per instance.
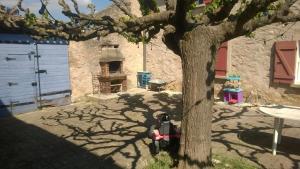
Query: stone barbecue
112,78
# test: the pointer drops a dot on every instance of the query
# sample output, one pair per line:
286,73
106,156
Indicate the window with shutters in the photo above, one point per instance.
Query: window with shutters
285,62
221,67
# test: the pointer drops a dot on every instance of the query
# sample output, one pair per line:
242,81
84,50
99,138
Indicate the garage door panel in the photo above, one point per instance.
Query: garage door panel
57,77
16,74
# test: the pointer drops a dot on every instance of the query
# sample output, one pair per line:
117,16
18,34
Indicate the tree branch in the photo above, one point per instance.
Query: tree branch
257,23
171,39
182,7
247,21
208,16
170,4
82,26
223,11
66,10
251,11
2,9
75,4
18,6
144,22
123,6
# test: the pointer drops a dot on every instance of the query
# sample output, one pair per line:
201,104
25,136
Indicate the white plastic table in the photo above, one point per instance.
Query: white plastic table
280,113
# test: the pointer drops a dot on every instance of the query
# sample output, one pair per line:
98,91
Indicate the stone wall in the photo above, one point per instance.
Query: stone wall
251,58
84,59
164,64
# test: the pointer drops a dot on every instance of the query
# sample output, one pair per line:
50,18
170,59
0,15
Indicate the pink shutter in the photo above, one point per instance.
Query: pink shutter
221,60
284,62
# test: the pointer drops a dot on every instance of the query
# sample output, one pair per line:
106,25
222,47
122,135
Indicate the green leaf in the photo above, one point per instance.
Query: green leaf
250,35
30,19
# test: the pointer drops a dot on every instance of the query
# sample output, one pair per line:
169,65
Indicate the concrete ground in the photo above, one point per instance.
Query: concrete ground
112,134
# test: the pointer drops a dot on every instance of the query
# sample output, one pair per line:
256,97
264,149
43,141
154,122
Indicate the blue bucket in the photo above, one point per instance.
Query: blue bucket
143,79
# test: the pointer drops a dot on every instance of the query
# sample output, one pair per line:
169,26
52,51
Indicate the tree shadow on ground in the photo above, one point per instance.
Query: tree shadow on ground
113,134
26,146
116,129
263,139
253,135
84,136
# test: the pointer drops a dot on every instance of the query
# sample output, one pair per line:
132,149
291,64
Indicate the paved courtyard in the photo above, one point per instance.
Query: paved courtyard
112,134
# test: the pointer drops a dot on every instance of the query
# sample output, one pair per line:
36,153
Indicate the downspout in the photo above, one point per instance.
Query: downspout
144,53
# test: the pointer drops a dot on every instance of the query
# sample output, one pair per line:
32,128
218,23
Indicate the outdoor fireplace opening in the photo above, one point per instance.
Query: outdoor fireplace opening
115,67
116,86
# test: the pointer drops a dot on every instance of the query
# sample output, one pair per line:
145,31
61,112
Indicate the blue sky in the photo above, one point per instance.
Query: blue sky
54,8
101,4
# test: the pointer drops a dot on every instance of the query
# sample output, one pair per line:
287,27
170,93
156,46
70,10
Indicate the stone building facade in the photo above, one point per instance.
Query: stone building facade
84,59
251,58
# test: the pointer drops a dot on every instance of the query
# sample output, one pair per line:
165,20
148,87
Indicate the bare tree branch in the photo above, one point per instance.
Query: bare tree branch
123,6
92,8
171,39
141,23
234,28
85,26
15,8
170,4
182,7
18,6
66,10
251,11
222,12
2,9
76,6
82,26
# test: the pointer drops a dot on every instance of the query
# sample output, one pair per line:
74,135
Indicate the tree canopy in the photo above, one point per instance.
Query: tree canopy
233,17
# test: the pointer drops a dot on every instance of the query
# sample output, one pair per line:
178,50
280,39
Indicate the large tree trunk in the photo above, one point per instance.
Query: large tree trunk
198,50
